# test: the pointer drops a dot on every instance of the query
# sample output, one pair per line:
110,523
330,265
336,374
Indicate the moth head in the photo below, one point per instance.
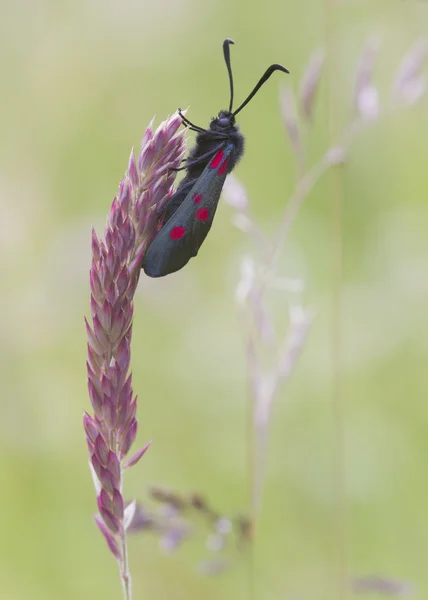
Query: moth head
223,122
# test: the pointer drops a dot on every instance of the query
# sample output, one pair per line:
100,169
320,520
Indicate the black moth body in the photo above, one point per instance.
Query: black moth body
189,214
222,129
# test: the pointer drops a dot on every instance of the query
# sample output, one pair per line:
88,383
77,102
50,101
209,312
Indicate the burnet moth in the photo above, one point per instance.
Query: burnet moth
189,213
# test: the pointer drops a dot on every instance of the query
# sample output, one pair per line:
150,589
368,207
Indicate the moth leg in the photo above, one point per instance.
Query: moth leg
200,159
187,122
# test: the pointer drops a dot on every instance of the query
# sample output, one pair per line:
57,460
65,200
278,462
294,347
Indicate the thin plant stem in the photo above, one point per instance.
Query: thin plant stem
337,395
256,279
336,193
124,569
303,188
301,191
251,470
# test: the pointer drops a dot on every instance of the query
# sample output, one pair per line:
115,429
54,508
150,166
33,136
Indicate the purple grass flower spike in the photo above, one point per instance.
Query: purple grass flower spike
115,270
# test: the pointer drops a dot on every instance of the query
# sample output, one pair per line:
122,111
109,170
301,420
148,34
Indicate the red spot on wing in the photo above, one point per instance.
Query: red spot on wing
177,233
197,198
202,214
217,159
223,167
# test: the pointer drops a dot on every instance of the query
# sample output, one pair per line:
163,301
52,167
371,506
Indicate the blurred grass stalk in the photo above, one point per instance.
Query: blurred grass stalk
116,264
259,275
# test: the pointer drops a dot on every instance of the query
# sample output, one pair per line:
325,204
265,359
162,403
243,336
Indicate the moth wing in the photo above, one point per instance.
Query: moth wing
182,236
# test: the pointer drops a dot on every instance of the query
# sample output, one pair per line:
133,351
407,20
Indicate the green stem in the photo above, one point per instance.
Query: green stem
124,569
336,193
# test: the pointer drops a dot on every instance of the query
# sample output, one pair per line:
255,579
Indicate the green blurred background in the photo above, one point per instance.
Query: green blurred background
79,83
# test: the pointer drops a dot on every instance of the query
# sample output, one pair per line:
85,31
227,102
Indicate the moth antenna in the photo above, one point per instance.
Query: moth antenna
226,53
261,81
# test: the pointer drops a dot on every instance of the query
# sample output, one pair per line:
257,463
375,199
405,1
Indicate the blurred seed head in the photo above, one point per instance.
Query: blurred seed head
168,497
300,321
142,519
172,539
289,118
336,156
242,222
309,84
235,194
410,83
223,526
366,97
246,281
384,586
